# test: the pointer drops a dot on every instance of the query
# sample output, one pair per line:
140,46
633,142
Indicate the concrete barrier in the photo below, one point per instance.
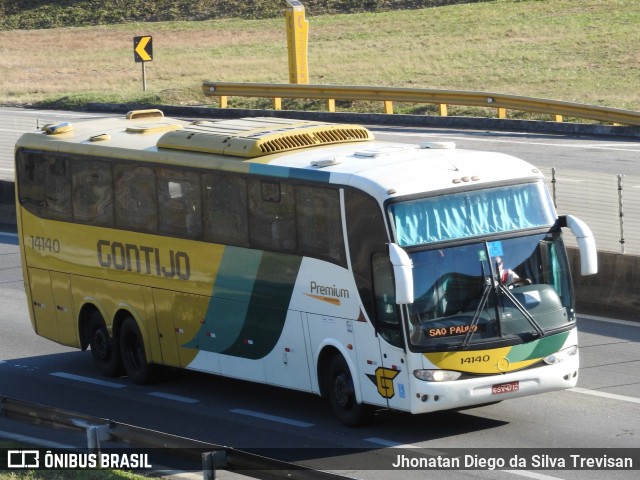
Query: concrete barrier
7,206
614,291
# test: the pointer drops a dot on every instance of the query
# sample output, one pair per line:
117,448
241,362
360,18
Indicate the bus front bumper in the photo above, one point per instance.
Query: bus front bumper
434,396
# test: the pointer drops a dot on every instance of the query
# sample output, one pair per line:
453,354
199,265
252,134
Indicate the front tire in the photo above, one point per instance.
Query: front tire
105,349
342,395
133,353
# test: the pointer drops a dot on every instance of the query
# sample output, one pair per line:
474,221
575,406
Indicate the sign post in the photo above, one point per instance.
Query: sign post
297,42
143,53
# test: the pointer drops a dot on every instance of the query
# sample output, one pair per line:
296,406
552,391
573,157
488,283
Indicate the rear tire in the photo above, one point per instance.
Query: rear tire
105,349
342,395
133,353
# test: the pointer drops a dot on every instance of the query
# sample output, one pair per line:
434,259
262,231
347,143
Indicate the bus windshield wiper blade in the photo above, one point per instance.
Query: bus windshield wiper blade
476,315
522,310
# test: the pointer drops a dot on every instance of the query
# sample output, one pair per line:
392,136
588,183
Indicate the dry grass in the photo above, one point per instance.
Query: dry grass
574,50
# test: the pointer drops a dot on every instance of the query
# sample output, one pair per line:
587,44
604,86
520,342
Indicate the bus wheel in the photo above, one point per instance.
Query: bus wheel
342,395
133,353
105,349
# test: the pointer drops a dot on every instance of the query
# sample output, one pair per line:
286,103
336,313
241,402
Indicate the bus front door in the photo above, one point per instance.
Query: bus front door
392,379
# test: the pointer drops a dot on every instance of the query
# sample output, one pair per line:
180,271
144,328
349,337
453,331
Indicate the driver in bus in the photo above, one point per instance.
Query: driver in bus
508,277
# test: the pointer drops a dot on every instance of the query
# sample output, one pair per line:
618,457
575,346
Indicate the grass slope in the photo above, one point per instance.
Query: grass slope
28,14
573,50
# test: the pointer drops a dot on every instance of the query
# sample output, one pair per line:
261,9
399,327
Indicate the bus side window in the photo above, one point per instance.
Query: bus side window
319,223
135,198
92,192
179,199
57,189
225,209
31,170
272,215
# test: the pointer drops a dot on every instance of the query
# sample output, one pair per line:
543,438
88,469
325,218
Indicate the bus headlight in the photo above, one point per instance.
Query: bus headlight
562,355
436,375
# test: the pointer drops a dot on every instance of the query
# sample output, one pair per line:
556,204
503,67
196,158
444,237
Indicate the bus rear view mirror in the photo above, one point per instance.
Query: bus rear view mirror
403,274
586,244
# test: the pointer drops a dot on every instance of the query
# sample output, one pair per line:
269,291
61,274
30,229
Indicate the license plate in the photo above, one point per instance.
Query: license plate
505,388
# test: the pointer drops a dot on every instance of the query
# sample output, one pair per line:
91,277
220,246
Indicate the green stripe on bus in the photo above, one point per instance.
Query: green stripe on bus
537,349
230,300
268,306
249,305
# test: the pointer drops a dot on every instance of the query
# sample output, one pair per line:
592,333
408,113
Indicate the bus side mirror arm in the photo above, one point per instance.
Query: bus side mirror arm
402,273
586,244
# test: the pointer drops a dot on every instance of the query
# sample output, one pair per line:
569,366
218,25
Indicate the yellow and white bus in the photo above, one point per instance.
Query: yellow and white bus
300,254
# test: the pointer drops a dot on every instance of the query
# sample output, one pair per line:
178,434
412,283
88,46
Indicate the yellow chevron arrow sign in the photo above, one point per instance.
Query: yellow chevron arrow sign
143,48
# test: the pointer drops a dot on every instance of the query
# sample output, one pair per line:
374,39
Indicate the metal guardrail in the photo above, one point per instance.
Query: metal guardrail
501,102
210,456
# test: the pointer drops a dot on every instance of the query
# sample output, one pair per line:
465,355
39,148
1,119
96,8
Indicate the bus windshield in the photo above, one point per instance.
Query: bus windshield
472,213
503,291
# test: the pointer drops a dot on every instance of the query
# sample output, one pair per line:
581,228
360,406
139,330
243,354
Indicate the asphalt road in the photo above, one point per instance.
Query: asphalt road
602,413
16,121
594,154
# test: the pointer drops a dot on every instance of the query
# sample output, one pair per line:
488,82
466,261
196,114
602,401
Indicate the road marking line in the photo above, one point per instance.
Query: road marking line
9,238
52,113
628,323
10,130
391,444
518,142
33,440
385,443
94,381
611,396
177,398
525,473
273,418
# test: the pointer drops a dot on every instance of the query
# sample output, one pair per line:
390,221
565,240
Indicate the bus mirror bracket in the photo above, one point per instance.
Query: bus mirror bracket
586,244
403,274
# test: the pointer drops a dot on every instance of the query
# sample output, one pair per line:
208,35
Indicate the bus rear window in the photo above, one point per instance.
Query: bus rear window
45,185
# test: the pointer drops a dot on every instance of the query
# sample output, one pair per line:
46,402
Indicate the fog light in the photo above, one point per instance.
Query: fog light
436,375
562,355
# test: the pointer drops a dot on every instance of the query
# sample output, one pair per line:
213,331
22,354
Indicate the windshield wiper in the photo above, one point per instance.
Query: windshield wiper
483,302
522,310
476,316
